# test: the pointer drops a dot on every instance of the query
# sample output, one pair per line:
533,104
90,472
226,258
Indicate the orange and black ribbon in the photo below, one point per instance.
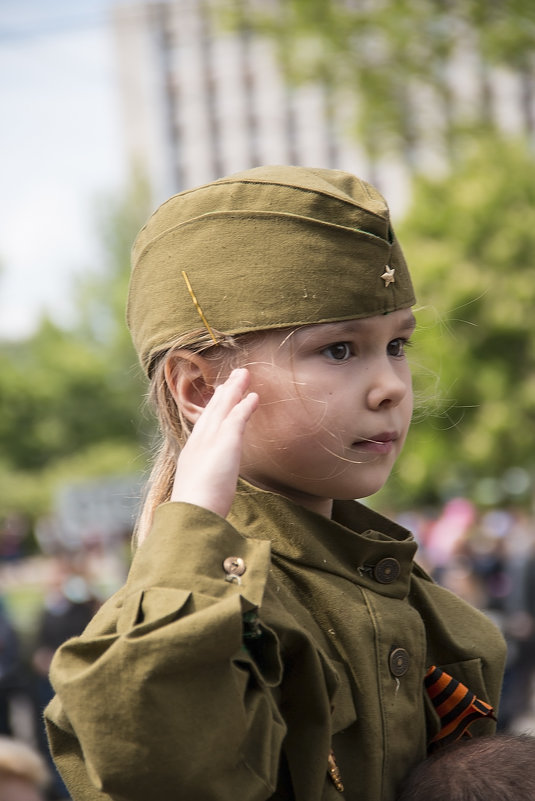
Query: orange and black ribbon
456,706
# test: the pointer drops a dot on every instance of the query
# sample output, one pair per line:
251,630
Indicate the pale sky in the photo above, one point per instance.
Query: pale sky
61,147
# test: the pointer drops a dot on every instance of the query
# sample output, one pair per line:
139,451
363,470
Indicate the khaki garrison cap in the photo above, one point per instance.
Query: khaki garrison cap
271,247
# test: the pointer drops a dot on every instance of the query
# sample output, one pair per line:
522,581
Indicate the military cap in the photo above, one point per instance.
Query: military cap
267,248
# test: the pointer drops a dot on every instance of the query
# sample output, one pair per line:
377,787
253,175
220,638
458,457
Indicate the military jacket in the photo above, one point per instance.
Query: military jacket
243,651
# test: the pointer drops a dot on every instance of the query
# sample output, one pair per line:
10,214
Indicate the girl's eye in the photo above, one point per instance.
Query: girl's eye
397,347
338,352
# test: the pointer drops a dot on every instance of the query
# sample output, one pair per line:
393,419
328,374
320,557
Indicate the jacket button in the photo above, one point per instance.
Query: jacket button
387,570
398,662
234,566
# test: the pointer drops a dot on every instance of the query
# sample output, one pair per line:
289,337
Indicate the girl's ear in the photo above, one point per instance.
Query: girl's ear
190,378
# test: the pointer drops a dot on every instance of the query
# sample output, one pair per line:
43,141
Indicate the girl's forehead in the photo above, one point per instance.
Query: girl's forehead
402,320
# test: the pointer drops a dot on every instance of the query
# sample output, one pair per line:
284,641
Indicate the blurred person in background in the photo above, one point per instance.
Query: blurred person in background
519,624
488,559
24,775
69,605
9,668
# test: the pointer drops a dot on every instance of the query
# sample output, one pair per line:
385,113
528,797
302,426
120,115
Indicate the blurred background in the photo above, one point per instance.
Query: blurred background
109,107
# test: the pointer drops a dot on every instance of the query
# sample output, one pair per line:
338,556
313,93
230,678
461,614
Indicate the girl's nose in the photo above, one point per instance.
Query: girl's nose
386,387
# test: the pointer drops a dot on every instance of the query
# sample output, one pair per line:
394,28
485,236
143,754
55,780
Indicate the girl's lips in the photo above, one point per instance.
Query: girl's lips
380,443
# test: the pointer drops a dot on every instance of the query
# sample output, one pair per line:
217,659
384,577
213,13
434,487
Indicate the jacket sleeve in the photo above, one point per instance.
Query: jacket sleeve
161,697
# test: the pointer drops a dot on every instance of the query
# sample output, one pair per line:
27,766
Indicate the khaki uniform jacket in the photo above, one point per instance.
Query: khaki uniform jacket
188,685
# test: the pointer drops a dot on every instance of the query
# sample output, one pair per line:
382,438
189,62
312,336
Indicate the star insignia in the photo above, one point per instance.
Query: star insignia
388,275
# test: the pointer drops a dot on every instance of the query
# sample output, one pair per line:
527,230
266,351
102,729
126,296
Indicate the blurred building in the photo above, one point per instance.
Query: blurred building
203,99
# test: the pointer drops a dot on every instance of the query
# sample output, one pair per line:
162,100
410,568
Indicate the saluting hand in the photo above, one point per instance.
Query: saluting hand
209,464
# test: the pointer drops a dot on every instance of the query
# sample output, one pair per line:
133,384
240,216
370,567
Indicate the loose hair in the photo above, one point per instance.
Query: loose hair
174,428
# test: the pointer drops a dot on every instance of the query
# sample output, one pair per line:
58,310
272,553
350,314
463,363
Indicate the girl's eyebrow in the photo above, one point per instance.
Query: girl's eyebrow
348,327
410,323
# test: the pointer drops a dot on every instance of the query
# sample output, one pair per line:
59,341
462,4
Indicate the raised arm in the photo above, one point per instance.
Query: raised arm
160,697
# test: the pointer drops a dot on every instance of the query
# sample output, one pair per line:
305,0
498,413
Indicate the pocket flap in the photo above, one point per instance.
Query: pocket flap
151,608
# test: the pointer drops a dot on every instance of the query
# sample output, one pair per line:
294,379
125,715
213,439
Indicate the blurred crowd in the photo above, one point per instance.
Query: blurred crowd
487,557
44,600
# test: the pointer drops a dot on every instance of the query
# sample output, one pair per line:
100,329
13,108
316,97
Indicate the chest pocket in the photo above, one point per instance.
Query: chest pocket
343,711
470,673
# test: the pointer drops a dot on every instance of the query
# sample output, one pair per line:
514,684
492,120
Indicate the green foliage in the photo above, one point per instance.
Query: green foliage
31,492
395,60
54,389
505,30
70,400
470,240
402,65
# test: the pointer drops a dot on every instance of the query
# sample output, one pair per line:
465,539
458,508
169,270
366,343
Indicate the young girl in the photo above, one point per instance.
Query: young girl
273,636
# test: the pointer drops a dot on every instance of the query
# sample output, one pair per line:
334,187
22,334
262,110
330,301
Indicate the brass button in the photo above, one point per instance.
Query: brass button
234,566
387,570
398,662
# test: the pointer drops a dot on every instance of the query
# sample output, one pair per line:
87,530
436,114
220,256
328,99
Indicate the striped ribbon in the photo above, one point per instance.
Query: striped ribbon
455,705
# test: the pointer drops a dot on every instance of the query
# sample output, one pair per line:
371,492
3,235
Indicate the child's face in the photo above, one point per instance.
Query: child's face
335,408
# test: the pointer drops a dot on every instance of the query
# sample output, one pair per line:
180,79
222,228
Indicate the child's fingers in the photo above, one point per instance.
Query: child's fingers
208,466
235,385
226,398
243,410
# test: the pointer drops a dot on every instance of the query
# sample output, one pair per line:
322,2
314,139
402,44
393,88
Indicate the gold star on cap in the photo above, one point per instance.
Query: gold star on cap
388,275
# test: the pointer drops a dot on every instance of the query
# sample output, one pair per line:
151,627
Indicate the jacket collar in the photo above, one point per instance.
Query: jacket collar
351,545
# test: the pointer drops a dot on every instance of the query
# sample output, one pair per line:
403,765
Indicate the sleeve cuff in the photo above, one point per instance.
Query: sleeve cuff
187,549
